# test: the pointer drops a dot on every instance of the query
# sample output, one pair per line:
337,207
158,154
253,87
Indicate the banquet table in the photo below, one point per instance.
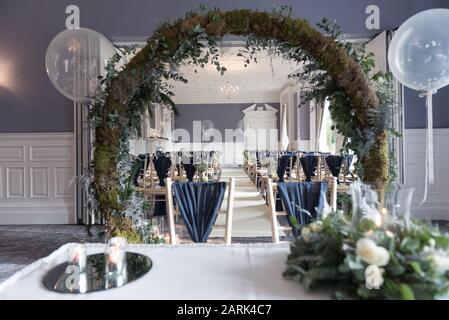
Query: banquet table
186,271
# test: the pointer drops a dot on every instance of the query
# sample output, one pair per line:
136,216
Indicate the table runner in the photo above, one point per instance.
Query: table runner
190,271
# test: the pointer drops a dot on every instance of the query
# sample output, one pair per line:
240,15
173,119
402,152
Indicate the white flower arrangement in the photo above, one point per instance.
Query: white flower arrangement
369,252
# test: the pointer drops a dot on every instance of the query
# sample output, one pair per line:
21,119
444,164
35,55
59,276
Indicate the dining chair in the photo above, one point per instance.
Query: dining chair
272,189
171,195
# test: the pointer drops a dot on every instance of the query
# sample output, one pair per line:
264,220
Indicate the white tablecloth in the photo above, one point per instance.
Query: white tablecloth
198,271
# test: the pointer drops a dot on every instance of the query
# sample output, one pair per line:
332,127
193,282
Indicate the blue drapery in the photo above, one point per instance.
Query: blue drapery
162,165
334,164
310,196
199,203
284,165
309,164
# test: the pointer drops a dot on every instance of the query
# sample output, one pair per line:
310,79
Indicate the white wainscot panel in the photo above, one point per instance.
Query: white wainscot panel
62,178
50,153
35,174
437,205
15,183
12,153
39,183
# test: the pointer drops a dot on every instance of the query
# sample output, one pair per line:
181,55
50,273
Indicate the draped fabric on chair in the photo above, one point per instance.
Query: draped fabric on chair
140,161
334,163
189,167
284,165
199,203
309,164
190,171
310,196
162,165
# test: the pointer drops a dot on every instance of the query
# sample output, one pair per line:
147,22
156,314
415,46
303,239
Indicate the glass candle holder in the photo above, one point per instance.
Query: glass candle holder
115,262
76,280
366,203
398,201
77,256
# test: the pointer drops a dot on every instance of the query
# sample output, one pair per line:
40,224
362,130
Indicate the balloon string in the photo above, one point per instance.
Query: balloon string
430,178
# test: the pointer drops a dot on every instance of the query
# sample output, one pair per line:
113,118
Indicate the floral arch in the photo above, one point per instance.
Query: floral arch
344,77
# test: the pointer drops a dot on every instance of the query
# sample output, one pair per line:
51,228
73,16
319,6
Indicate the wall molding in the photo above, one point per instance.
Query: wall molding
36,170
437,205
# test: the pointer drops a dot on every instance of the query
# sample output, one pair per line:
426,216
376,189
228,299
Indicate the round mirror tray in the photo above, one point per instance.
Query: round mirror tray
66,278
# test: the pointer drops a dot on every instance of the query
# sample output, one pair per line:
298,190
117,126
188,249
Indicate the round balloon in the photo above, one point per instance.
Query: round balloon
419,51
74,60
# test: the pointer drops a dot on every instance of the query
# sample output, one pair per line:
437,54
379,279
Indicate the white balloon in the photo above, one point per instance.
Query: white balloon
419,51
74,60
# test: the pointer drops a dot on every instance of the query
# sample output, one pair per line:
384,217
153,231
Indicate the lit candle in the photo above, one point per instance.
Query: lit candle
115,255
115,261
77,256
378,220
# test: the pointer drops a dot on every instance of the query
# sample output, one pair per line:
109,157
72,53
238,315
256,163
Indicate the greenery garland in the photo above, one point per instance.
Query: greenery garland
335,70
360,261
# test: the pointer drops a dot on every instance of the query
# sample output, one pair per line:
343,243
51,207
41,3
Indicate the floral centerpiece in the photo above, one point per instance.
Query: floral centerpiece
393,261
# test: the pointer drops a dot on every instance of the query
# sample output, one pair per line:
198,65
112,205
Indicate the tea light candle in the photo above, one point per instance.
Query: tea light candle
115,261
77,256
115,255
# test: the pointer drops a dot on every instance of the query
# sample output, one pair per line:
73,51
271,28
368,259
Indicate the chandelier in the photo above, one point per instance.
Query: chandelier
229,90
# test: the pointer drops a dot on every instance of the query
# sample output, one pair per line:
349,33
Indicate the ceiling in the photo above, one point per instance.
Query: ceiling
258,82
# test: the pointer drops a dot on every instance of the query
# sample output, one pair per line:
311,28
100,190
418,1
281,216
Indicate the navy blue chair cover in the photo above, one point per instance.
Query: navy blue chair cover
284,165
309,164
310,196
334,164
140,161
190,171
199,203
162,165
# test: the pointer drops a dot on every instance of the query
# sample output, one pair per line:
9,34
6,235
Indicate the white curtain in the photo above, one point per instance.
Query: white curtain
319,109
284,135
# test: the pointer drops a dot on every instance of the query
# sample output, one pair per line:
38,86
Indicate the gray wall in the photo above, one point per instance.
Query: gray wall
415,109
31,104
223,116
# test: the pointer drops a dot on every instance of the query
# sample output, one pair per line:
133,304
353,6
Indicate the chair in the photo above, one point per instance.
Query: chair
229,210
272,188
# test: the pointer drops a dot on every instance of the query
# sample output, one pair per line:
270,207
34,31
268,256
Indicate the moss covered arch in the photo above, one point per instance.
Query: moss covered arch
164,44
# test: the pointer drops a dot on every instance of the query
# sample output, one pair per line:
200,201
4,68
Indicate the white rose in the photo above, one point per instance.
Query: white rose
389,234
316,226
306,234
373,277
440,263
432,242
370,253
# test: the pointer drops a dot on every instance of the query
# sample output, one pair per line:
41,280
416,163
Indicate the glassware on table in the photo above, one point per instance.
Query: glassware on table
365,203
115,262
76,280
398,201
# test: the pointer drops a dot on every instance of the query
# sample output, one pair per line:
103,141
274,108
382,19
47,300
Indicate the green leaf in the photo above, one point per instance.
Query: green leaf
406,292
416,267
